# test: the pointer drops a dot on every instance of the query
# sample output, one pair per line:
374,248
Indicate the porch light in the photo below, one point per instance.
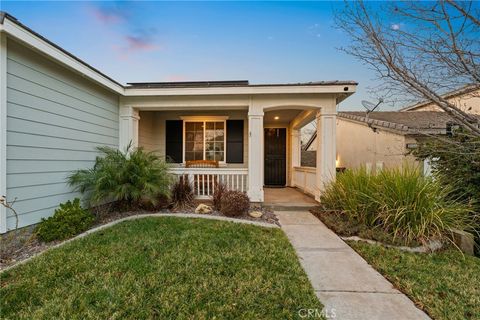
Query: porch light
276,117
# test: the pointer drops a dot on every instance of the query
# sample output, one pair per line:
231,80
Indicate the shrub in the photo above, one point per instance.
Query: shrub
134,178
68,220
234,203
402,202
218,193
352,193
182,193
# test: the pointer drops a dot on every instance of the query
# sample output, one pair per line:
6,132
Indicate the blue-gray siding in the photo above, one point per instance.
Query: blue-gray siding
55,120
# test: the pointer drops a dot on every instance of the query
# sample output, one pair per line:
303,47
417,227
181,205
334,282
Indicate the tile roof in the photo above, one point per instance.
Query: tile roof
420,122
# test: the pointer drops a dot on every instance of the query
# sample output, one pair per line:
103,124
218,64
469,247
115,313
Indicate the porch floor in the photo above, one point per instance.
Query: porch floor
287,196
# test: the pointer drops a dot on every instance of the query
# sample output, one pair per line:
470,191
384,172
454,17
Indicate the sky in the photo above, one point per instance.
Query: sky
263,42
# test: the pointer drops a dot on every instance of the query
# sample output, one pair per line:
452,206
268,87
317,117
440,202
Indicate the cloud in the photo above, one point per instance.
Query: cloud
140,42
107,14
395,26
126,34
135,43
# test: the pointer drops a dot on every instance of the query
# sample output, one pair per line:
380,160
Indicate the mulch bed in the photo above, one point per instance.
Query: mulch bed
24,244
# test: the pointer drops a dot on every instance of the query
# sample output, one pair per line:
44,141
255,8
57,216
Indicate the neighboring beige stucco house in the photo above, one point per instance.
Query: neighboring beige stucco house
55,110
466,99
384,139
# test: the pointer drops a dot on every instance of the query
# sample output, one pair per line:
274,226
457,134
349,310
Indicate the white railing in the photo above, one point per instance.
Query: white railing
204,180
304,178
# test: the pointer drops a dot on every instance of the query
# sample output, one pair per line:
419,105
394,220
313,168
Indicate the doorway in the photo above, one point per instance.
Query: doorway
275,164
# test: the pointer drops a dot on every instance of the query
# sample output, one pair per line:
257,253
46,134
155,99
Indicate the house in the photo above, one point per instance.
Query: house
466,98
384,139
55,109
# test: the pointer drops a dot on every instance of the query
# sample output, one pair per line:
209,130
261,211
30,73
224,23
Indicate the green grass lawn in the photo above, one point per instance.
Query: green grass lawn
445,284
166,267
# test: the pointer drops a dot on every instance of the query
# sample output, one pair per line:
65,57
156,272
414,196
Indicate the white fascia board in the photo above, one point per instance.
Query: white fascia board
249,90
17,32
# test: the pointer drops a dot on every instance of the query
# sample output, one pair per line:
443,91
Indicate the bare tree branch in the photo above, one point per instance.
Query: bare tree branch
435,49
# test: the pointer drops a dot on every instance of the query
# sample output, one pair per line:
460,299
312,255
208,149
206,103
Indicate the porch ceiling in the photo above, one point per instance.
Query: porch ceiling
284,116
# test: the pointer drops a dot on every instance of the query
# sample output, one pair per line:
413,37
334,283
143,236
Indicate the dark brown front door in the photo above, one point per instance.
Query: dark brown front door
275,156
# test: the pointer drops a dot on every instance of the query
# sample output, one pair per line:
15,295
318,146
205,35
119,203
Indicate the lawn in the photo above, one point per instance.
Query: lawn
445,284
162,268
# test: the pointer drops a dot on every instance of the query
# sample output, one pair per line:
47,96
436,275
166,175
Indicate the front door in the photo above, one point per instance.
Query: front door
275,157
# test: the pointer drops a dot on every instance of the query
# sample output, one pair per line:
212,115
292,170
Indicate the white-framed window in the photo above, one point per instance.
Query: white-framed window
204,138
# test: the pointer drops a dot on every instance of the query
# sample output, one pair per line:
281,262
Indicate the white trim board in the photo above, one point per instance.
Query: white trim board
3,129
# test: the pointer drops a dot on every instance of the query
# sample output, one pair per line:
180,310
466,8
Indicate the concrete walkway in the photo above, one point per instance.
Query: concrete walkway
345,283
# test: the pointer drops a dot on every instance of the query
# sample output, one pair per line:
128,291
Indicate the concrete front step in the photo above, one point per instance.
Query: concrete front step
289,206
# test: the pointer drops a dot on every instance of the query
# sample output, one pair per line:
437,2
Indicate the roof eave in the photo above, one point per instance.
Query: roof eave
242,90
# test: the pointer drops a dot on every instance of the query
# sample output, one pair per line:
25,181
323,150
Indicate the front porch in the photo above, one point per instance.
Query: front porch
254,137
288,199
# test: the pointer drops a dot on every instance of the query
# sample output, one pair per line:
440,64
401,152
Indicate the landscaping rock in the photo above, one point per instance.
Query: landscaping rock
203,209
255,214
465,241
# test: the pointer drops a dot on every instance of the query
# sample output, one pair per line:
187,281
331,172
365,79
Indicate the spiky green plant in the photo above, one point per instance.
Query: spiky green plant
133,177
400,201
412,206
351,193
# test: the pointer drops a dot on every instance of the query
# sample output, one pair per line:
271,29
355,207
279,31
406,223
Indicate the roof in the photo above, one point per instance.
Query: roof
420,122
188,84
463,90
404,123
229,83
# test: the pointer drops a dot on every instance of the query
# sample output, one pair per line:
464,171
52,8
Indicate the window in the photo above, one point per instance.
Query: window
205,140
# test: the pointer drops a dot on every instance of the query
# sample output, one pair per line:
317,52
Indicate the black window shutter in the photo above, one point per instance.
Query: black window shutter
174,140
234,141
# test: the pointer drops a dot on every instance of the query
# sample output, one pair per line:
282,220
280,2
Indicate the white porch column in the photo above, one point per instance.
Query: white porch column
326,150
296,154
255,154
128,130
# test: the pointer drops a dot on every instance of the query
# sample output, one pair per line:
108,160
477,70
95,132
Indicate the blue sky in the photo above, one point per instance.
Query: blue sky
264,42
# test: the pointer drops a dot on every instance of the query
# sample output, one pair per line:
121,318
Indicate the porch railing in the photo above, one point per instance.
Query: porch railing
304,178
204,180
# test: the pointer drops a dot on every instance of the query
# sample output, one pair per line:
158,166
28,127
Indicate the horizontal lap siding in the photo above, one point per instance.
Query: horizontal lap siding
55,121
146,133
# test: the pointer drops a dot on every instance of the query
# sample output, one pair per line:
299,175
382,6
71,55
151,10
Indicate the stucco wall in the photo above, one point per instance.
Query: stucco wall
151,132
55,120
358,145
468,102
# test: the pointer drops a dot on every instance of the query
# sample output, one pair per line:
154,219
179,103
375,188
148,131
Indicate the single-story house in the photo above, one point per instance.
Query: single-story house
55,109
382,139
